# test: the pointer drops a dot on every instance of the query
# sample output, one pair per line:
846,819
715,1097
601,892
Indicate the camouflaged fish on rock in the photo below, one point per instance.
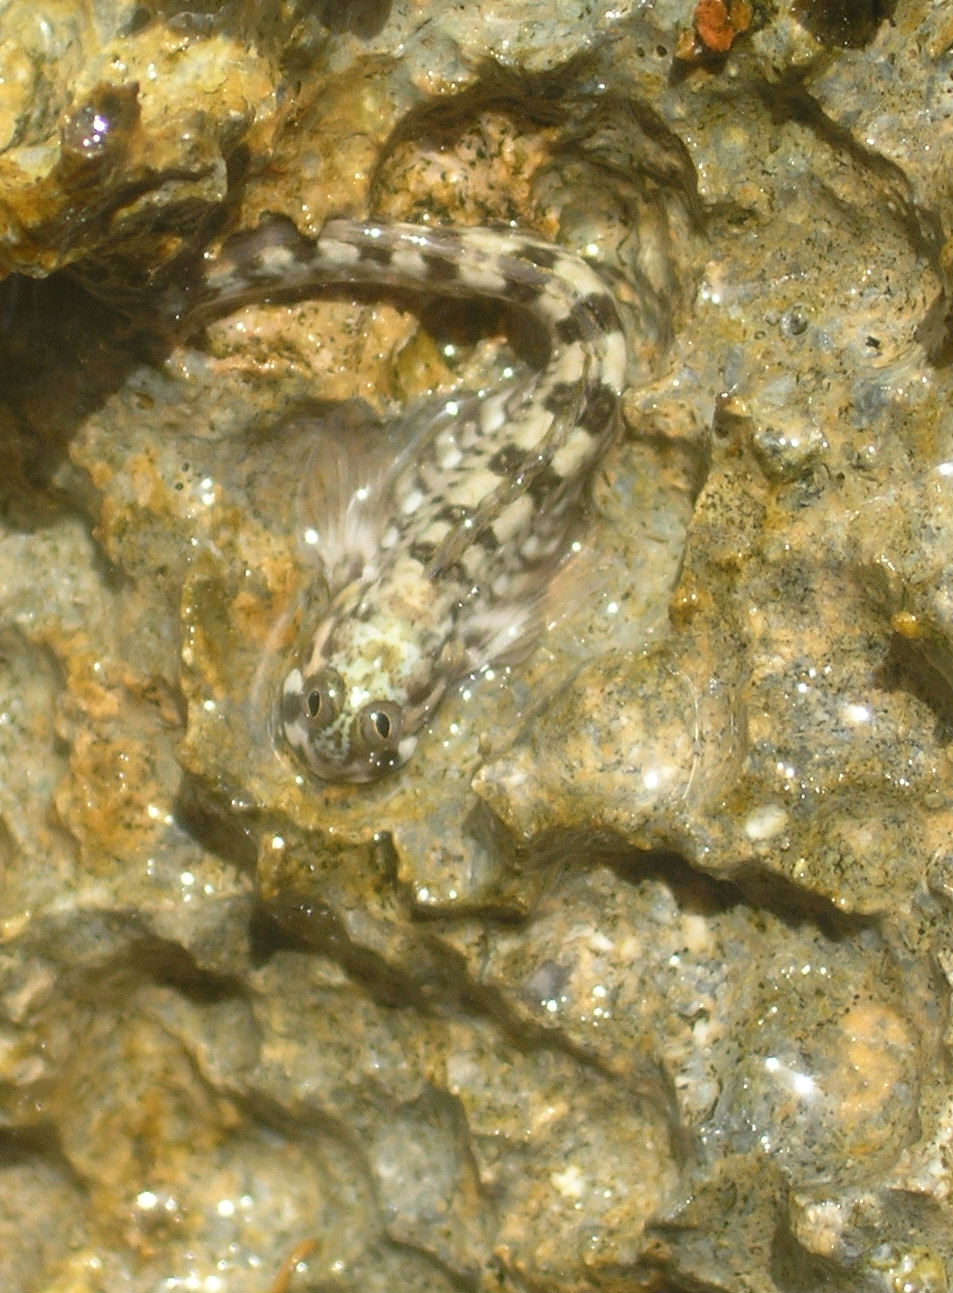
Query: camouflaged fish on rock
437,550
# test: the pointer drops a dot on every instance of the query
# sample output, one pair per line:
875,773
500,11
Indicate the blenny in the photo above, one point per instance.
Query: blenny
438,538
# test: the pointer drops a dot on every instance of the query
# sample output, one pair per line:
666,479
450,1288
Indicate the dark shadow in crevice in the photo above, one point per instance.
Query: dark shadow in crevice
24,1144
793,1268
148,958
39,1143
907,669
70,340
164,962
215,824
795,906
844,24
935,331
63,353
268,935
361,18
696,891
293,921
270,25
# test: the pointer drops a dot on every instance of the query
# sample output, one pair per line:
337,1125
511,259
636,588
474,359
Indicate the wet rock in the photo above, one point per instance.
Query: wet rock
637,975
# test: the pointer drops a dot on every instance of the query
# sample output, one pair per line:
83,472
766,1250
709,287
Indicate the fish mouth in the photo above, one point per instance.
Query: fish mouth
375,766
360,769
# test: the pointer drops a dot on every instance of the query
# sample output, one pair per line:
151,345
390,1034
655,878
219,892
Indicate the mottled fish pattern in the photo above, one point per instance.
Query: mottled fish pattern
439,543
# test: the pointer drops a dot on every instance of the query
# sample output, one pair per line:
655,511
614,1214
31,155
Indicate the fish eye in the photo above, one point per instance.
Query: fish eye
378,724
322,696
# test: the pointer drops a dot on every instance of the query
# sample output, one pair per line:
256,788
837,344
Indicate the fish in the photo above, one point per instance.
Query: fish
439,536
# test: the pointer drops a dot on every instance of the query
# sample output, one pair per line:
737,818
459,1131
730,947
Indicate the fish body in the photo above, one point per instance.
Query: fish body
437,557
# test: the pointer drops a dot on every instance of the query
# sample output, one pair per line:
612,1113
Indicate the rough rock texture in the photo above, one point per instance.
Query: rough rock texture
637,977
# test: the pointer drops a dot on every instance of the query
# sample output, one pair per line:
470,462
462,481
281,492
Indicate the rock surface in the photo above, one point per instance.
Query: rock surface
637,977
